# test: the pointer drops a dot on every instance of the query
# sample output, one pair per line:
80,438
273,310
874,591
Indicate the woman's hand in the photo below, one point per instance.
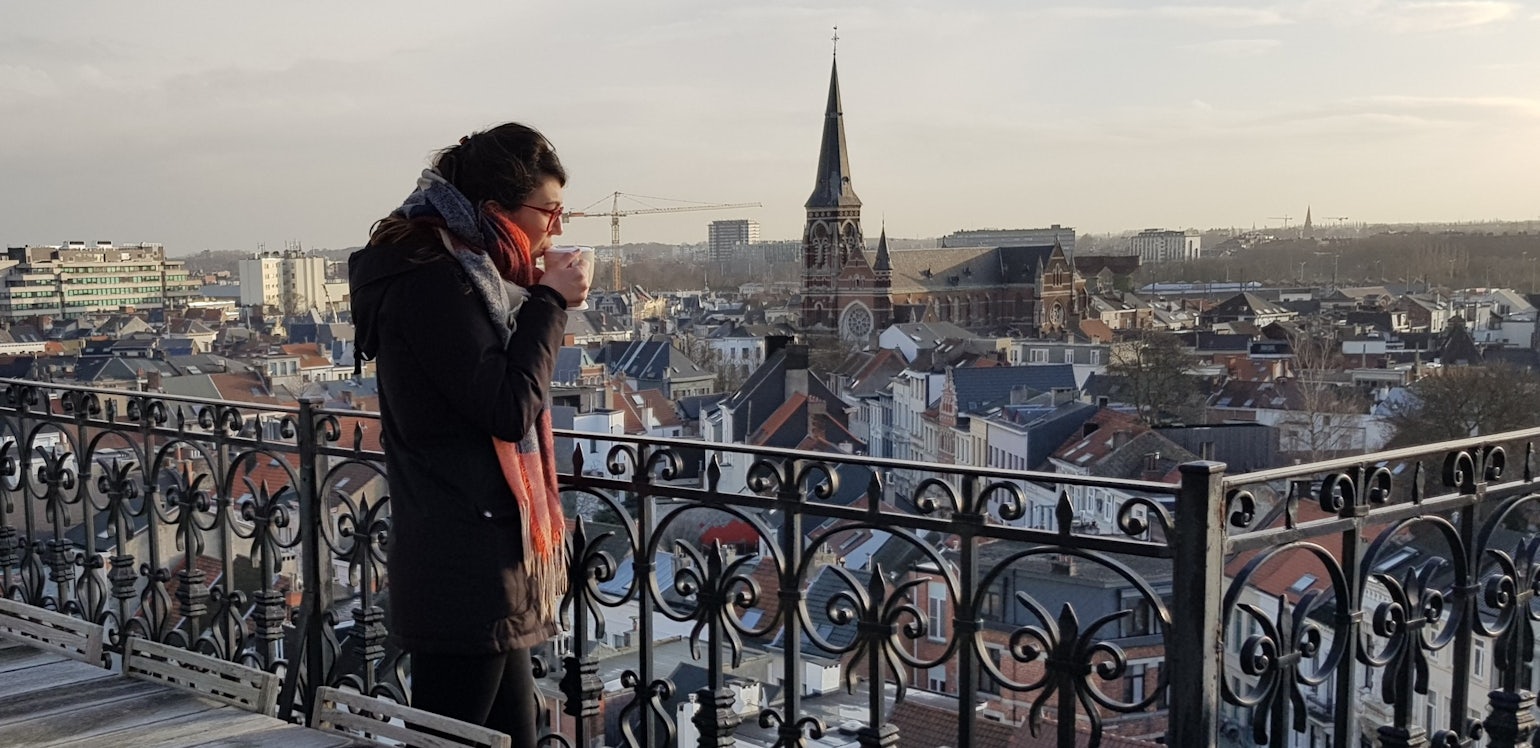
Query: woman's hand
569,280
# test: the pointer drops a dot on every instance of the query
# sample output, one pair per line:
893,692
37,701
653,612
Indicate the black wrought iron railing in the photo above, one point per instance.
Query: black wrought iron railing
722,594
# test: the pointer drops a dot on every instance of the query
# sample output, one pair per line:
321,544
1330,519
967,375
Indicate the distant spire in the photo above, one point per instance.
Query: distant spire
882,265
832,189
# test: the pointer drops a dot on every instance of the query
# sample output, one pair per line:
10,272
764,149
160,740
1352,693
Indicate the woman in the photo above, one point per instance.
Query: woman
464,330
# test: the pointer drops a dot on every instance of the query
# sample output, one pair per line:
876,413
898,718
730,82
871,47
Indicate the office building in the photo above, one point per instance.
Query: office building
75,279
727,240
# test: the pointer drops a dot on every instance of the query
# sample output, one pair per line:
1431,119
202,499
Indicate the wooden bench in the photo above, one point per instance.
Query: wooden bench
387,723
51,632
227,682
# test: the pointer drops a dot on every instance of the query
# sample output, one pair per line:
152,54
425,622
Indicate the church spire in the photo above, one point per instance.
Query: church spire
883,265
833,190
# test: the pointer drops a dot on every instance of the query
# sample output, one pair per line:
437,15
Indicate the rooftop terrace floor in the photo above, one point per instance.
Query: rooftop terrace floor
47,699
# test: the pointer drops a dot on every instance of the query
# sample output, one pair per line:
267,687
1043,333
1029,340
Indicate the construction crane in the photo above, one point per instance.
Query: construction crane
615,214
1285,219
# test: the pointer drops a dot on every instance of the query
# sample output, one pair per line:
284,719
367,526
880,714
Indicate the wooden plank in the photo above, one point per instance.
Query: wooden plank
226,682
223,723
99,719
21,658
60,674
291,736
357,714
18,706
73,637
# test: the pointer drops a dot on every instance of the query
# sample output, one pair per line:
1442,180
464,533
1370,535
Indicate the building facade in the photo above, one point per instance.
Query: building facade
76,278
1064,235
290,280
1161,245
729,240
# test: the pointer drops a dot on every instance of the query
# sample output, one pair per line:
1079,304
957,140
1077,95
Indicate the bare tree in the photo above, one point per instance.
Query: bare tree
1326,417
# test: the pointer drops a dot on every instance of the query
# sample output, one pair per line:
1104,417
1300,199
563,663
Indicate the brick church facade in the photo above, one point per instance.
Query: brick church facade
855,293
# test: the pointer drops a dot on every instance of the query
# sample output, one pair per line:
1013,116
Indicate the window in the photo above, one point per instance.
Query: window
936,680
1069,355
1136,683
937,611
1096,357
1038,356
987,682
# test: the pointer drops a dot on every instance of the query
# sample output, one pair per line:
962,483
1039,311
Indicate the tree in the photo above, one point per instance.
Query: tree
1154,369
1324,421
1464,401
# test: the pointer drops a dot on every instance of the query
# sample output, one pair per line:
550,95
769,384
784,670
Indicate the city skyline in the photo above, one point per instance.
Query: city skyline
225,131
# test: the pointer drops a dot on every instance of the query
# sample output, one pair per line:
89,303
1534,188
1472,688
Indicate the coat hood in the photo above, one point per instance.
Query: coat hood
371,270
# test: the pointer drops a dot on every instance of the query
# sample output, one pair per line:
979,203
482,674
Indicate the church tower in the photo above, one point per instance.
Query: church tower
842,292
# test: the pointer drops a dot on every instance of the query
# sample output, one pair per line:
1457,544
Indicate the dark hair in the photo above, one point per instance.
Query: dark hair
501,165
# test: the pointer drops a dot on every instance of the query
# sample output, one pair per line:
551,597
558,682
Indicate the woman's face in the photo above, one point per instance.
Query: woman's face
540,215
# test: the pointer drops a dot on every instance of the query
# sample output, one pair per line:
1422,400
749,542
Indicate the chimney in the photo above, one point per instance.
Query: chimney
796,370
1063,566
152,381
774,343
1062,395
816,410
347,398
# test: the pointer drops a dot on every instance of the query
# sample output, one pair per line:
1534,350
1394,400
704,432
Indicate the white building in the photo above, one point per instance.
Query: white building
75,278
1064,235
290,279
1161,245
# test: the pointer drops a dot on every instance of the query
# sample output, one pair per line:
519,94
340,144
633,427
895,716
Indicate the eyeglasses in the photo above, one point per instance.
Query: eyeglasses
553,216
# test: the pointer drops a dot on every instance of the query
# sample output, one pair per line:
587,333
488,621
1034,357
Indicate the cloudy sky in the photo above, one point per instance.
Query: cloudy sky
221,126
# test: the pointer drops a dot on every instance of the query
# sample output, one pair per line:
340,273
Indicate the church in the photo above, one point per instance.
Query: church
1028,291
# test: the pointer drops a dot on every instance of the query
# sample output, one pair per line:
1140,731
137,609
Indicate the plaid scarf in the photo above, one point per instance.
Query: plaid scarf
494,252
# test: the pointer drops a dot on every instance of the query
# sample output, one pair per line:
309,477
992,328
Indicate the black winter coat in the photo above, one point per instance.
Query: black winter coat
447,386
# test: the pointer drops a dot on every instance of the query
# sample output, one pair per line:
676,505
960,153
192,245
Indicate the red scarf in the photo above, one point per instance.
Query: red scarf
529,465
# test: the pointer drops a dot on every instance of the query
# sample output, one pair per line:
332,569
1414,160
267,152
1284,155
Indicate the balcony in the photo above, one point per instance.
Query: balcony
812,605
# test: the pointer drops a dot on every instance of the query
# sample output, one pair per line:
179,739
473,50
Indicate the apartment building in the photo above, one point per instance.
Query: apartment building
291,280
75,279
1155,246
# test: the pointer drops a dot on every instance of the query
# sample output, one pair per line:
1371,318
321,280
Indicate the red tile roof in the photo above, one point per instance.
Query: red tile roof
1099,443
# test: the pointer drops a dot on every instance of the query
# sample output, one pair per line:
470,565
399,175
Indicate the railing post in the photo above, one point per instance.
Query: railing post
1195,648
317,595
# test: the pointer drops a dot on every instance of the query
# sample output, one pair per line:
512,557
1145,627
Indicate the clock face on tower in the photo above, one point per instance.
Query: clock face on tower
857,322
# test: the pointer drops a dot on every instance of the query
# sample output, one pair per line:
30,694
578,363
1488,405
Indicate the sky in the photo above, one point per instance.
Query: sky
232,127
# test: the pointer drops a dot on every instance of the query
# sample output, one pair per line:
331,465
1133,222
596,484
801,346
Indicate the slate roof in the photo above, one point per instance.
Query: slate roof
876,373
932,334
1088,265
981,387
1247,304
570,360
825,585
691,407
656,360
764,392
793,425
962,268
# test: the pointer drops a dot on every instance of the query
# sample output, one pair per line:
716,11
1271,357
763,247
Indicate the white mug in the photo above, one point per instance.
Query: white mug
585,260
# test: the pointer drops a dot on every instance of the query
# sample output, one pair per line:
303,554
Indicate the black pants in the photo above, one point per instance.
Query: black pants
495,690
